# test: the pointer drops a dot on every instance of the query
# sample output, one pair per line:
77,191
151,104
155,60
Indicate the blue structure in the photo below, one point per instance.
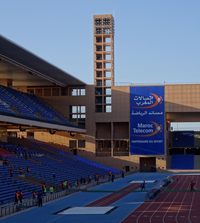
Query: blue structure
182,162
181,139
147,120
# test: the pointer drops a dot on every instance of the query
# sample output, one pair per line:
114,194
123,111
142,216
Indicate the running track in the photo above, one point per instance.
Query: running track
178,206
111,198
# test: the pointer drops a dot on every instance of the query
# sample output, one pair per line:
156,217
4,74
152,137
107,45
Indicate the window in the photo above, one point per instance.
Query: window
30,91
106,21
98,91
81,143
72,144
64,91
98,56
98,48
38,91
108,100
99,83
99,108
106,30
99,73
107,48
98,100
55,91
108,91
108,74
108,57
98,30
82,91
78,112
108,83
77,92
107,39
98,22
99,65
107,65
78,115
98,39
47,91
108,108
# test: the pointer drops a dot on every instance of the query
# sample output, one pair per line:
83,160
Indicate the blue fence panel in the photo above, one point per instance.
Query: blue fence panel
182,162
182,139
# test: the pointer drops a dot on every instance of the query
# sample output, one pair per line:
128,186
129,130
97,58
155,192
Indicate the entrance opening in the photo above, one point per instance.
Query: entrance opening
184,145
147,164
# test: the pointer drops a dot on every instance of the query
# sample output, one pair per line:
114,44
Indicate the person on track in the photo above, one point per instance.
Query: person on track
142,186
192,184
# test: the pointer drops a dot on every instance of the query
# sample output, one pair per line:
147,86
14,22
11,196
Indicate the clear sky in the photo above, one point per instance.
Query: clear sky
156,41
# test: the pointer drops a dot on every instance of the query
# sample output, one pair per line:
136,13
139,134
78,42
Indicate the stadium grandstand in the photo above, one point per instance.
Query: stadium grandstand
26,162
100,152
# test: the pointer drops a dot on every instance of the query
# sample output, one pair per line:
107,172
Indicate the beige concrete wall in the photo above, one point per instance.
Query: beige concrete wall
182,103
62,105
117,161
161,163
48,138
182,98
120,107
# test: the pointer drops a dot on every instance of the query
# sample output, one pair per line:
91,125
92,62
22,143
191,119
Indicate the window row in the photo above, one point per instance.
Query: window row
100,39
107,83
106,30
104,21
103,100
103,48
106,65
103,91
57,91
78,115
50,91
77,92
103,108
103,56
103,73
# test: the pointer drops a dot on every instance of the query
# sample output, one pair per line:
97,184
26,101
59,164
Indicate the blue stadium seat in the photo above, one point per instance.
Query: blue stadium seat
44,160
28,106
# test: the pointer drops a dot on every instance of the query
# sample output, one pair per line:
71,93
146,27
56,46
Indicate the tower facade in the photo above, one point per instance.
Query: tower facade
103,61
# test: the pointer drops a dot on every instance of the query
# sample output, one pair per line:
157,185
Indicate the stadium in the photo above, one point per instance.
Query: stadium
89,148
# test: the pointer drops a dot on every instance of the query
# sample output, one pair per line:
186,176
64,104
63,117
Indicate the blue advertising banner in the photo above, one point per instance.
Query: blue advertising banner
147,120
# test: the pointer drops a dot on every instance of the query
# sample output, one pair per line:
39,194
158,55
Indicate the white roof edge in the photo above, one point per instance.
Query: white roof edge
21,121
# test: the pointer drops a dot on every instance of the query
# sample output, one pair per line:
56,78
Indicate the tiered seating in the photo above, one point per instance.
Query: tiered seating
23,105
9,185
44,161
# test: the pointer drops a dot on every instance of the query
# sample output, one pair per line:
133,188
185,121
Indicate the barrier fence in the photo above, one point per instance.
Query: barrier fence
11,208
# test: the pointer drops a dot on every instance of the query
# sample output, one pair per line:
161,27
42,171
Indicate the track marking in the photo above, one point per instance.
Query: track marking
173,201
191,204
134,203
181,204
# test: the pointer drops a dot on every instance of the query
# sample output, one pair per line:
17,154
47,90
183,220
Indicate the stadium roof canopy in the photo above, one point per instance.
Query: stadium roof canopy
34,68
24,68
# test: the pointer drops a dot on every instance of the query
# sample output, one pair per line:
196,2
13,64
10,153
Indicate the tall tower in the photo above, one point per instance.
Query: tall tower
103,62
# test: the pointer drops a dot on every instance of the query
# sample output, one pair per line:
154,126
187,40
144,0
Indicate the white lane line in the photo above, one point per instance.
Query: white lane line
174,199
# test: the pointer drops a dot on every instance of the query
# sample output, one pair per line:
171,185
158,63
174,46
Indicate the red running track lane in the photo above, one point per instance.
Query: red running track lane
171,207
147,211
111,198
177,199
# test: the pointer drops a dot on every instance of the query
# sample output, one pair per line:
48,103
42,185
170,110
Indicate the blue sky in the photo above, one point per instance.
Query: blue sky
156,41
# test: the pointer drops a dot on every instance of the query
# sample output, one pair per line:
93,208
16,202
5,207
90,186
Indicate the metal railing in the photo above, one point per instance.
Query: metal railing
28,203
11,208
